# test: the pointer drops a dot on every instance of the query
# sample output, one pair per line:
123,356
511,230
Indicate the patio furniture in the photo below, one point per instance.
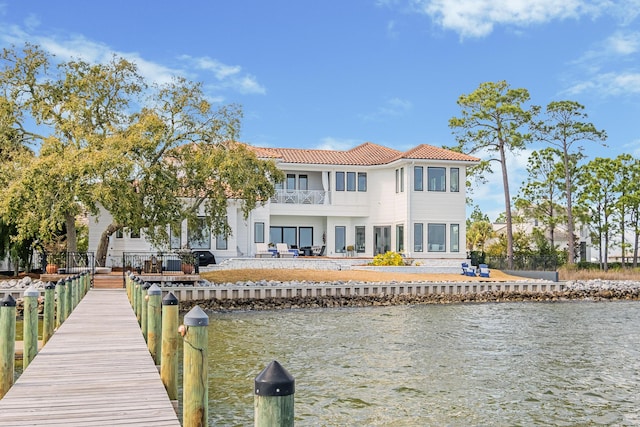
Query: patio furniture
468,270
484,270
284,252
262,251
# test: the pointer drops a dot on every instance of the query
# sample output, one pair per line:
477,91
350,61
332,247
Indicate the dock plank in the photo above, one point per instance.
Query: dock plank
96,370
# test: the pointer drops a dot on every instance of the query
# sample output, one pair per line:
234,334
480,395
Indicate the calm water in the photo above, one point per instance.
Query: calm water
562,364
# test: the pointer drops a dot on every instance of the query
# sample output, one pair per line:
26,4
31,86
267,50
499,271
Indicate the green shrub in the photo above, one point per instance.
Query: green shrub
389,258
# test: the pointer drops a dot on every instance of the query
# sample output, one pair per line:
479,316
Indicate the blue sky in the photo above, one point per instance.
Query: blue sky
334,74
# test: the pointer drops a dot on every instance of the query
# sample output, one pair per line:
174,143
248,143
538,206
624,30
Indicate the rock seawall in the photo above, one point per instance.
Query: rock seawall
595,290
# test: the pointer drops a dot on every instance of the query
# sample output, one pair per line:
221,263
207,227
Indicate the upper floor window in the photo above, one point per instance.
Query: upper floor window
339,181
351,181
303,182
400,180
437,179
454,180
291,181
418,174
362,181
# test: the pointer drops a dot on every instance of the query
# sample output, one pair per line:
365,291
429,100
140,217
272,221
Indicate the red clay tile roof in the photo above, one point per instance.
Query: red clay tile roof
366,154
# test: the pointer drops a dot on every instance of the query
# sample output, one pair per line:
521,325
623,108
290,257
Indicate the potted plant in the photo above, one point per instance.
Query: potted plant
350,250
55,256
187,260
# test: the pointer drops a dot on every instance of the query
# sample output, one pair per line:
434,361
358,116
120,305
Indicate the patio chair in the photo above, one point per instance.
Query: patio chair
465,267
484,270
262,251
283,250
468,270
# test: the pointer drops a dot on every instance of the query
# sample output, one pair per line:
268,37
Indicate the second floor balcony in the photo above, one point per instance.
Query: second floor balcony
309,197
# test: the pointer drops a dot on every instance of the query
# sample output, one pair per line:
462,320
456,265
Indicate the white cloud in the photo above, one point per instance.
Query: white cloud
67,47
392,107
331,143
478,18
608,84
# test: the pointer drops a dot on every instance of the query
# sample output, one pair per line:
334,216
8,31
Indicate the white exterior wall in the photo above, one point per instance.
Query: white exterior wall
379,206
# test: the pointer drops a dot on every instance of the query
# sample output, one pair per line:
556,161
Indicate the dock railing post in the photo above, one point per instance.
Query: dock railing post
49,310
68,293
195,396
30,326
7,343
170,341
154,323
138,293
60,310
74,292
144,320
127,283
273,401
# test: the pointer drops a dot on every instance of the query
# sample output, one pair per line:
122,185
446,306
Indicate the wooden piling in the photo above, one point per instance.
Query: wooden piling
273,399
68,303
74,292
154,323
7,343
195,396
30,326
144,319
170,341
62,299
49,311
138,293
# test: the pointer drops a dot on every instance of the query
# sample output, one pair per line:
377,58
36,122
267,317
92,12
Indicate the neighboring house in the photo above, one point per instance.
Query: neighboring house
560,237
371,198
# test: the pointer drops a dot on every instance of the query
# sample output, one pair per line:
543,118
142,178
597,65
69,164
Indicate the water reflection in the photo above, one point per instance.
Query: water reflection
486,364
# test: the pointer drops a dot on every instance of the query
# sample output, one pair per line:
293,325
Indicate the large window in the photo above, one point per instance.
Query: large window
176,237
258,232
303,182
339,181
199,235
360,244
283,235
362,181
400,238
454,238
135,233
418,175
436,237
341,239
351,181
418,237
454,180
305,235
291,181
437,179
221,242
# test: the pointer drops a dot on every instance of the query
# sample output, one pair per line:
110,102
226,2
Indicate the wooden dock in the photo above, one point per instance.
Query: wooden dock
95,371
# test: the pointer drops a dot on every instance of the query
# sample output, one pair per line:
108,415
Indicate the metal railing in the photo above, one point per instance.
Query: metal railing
159,263
68,262
310,197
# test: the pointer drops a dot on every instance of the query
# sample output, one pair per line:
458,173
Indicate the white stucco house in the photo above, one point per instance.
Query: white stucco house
371,198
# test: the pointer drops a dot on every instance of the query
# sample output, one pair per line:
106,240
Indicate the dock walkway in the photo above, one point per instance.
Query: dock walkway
96,370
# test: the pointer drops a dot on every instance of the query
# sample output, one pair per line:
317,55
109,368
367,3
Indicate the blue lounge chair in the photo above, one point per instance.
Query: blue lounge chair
484,270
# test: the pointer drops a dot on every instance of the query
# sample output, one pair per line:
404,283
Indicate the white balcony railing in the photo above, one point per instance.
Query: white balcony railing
309,197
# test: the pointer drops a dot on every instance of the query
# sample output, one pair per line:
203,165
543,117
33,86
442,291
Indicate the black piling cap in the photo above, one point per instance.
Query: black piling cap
60,282
146,285
170,299
50,285
8,301
68,280
196,317
274,380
